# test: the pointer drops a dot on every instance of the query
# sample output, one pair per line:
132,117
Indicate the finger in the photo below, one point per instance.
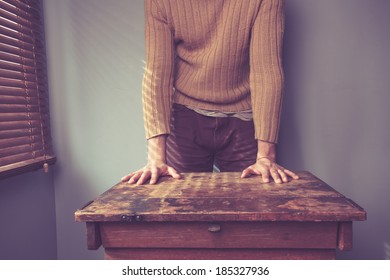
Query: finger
275,176
154,176
291,174
283,176
265,175
172,171
135,177
248,172
145,176
127,177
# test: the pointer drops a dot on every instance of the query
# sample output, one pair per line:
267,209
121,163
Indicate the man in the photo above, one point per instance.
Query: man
212,88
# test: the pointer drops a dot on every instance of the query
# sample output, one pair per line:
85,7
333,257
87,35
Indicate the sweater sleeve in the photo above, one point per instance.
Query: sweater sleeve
157,85
266,72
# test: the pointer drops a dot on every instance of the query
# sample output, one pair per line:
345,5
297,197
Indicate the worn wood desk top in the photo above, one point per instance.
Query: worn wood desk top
222,197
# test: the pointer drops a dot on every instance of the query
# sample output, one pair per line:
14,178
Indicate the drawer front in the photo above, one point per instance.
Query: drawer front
320,235
217,254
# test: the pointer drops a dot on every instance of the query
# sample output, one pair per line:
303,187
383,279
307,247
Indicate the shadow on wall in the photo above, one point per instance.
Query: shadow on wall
289,146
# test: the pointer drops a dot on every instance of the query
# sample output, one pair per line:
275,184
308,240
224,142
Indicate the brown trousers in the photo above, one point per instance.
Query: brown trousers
199,142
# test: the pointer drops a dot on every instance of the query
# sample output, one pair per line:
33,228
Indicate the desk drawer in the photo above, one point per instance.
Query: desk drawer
320,235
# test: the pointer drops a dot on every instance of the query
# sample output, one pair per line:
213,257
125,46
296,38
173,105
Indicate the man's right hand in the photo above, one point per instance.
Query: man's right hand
156,166
153,171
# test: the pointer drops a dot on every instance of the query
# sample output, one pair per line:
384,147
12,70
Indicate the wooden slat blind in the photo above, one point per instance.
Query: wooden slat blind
25,141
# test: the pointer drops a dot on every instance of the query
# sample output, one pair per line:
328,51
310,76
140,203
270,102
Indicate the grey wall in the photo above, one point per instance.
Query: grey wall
27,217
334,118
95,59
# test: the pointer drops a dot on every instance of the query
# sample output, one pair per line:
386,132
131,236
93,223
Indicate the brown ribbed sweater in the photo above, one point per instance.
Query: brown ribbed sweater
222,55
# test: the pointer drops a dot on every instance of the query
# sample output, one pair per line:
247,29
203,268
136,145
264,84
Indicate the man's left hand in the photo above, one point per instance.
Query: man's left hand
268,168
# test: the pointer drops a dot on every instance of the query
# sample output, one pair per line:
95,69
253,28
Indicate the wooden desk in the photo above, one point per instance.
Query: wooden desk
220,216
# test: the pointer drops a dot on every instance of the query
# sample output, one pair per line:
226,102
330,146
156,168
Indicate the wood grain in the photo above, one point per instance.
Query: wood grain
222,197
219,254
345,236
93,236
302,219
232,235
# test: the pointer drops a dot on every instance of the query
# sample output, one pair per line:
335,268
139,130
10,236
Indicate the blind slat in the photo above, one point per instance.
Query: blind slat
17,75
18,141
16,35
16,51
19,28
4,99
17,59
20,150
28,135
34,140
20,157
16,48
19,132
21,44
28,54
15,112
19,20
17,83
20,10
36,45
25,140
28,7
25,107
12,91
18,67
20,124
15,117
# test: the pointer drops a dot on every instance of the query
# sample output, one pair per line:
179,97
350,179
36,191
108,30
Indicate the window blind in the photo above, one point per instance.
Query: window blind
25,141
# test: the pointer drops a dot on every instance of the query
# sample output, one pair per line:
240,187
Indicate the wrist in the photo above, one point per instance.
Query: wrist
156,149
271,159
266,150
